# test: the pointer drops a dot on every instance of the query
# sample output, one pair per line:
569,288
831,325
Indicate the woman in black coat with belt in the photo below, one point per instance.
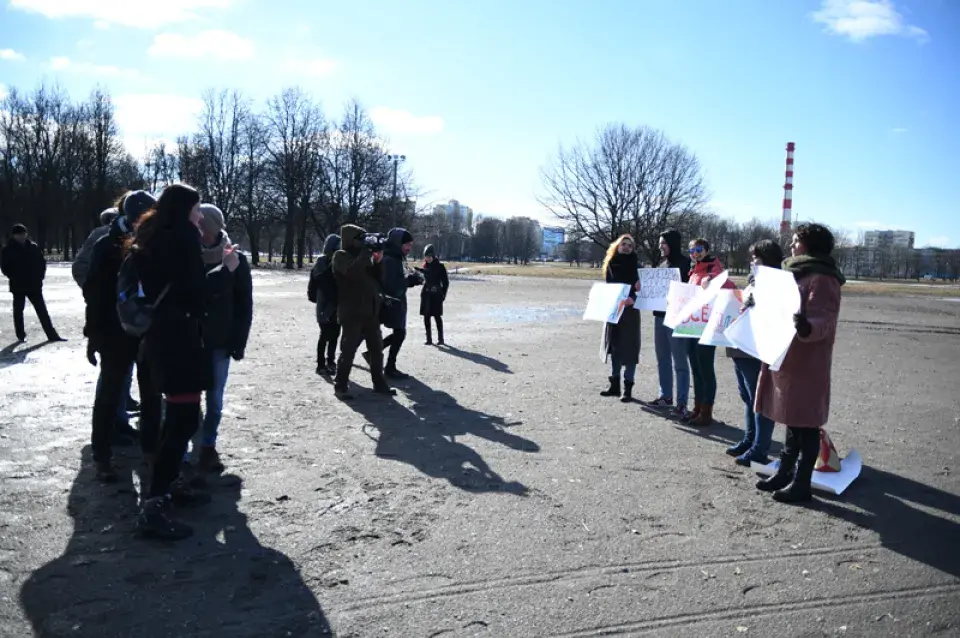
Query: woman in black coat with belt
166,254
623,338
434,293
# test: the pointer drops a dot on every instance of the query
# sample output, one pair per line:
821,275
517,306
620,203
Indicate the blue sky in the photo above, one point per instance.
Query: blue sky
479,94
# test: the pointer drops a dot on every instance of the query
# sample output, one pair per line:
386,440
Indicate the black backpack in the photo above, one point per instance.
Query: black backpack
133,309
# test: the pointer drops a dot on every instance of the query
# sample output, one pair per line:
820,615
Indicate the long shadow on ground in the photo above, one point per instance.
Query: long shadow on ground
221,582
889,505
425,437
476,357
10,355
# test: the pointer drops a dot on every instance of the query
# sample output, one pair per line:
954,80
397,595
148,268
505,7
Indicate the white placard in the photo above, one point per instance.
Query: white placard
832,482
702,298
606,302
654,287
766,330
725,310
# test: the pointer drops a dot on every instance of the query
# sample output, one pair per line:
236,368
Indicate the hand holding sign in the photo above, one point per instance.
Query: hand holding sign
703,297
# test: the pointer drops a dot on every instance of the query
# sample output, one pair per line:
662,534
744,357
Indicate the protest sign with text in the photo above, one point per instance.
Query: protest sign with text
678,299
654,287
606,302
726,309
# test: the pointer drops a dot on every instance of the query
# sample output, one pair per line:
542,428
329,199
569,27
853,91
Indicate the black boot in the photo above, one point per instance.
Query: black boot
209,460
186,496
391,372
154,522
799,490
429,329
613,390
788,461
440,341
627,392
106,472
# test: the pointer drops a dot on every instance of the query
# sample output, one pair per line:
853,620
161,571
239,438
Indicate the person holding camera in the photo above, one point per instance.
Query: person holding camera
356,267
396,280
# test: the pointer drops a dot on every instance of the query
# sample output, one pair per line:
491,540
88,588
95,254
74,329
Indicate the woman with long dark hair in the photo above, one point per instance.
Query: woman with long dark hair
167,257
623,338
758,429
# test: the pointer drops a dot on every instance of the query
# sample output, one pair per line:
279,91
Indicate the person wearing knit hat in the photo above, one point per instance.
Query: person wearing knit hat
396,278
434,293
226,326
136,204
81,262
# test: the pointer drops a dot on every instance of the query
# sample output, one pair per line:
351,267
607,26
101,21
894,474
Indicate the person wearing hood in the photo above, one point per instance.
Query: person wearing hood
226,326
21,260
396,279
81,263
798,394
434,293
702,358
118,350
356,267
622,339
322,290
671,351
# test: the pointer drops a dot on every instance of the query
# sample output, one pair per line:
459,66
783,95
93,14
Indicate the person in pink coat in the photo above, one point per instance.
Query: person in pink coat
798,395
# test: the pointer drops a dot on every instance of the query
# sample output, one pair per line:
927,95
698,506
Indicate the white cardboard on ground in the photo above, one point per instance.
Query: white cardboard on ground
832,482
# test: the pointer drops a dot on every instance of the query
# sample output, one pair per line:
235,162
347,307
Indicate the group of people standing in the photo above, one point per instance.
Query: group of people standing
359,283
797,395
167,293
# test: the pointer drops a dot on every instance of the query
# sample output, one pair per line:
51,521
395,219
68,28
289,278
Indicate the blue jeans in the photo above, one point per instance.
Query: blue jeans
122,416
629,370
671,349
758,429
214,407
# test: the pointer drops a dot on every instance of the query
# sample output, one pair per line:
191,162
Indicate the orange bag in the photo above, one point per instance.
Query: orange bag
828,460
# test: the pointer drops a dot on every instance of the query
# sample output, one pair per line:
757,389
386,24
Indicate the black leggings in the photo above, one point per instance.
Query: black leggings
180,423
394,341
426,326
327,344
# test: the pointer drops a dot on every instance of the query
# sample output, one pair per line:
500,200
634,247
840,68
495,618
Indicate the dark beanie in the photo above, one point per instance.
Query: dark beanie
18,229
429,251
136,204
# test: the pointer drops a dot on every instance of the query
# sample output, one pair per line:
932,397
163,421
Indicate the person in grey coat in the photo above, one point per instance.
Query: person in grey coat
81,263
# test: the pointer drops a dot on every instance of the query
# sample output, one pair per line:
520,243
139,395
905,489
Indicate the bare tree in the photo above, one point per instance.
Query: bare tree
627,180
221,129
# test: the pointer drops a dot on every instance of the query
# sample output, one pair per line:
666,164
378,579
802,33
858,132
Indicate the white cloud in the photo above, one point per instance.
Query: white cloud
863,19
9,55
310,67
63,63
216,44
144,118
101,25
404,122
144,14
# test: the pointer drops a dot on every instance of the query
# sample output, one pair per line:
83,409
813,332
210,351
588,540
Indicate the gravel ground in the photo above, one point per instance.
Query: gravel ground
498,495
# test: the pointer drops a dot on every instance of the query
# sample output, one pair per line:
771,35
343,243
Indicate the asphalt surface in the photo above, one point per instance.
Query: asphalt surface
498,495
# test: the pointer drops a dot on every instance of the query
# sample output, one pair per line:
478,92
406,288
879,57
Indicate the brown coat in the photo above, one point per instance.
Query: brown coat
798,395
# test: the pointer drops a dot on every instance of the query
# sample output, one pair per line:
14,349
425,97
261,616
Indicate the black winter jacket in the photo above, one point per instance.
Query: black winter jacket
24,266
100,287
229,308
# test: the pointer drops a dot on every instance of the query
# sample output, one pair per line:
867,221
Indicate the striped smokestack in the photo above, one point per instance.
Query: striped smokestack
788,194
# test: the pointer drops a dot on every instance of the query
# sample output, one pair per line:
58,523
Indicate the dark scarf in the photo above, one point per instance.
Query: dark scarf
805,265
622,269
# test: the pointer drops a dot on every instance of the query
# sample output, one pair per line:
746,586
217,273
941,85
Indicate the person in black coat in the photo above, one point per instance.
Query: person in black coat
226,325
396,279
166,254
623,338
322,290
434,293
118,350
23,264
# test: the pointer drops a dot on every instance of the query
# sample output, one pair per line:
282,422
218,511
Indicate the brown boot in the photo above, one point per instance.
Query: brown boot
706,416
693,414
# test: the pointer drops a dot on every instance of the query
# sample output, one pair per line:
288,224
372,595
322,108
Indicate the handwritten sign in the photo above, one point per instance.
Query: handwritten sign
726,310
654,287
606,302
678,299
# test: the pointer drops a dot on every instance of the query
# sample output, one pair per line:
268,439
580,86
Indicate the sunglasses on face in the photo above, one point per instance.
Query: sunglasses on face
696,250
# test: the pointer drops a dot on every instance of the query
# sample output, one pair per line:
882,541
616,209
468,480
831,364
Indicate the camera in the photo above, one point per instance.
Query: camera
375,241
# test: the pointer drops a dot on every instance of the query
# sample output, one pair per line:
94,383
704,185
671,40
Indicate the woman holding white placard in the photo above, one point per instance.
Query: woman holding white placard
623,338
798,394
705,268
758,429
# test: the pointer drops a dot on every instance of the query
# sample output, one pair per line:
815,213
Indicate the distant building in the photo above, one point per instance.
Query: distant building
884,239
552,239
